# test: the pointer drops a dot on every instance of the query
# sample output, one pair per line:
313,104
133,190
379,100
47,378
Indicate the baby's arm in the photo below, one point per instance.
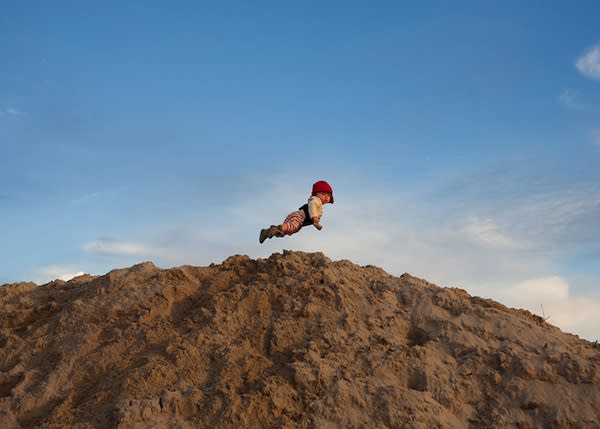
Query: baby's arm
314,210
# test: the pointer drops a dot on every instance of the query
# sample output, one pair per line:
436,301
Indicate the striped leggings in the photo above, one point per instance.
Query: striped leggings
293,222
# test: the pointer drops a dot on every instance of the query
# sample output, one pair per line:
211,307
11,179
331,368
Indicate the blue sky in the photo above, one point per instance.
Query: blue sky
462,140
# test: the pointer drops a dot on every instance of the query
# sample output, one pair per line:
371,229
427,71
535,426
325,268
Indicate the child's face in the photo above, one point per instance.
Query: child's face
325,197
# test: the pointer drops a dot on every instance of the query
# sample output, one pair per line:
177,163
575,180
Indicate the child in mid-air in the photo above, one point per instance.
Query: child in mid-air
309,214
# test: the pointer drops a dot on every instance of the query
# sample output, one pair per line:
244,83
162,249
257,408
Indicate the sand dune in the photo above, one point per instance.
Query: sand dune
292,341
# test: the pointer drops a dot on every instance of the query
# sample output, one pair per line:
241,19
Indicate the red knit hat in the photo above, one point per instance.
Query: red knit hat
322,186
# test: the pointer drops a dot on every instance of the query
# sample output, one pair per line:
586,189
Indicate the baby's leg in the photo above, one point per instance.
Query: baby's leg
293,222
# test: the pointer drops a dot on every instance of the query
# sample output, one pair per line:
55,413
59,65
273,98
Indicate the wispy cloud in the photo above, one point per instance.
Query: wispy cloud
529,207
83,199
566,216
487,232
589,63
114,247
570,99
11,111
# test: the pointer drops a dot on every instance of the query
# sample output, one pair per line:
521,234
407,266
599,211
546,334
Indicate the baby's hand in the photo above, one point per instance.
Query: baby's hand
317,222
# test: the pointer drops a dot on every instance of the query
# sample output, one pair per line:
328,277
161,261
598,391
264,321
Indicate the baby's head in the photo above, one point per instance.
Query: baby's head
323,191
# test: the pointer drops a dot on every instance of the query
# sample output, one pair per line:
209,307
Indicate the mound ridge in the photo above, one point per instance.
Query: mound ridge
295,340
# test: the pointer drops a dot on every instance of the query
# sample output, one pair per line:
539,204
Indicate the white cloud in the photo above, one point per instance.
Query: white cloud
589,63
53,272
570,99
550,298
119,248
534,291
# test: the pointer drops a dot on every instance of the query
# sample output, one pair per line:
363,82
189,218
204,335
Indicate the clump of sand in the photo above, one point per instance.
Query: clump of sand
292,341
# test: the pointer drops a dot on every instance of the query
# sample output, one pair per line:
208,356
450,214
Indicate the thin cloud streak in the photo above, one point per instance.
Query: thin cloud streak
485,231
11,111
568,216
570,99
114,247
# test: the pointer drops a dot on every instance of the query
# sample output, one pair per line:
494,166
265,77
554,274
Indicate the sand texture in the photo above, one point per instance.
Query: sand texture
292,341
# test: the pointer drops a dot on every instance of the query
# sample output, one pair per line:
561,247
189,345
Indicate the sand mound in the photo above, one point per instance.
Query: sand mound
292,341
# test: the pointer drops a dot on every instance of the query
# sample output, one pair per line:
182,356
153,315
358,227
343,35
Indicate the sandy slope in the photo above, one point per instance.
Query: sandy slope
292,341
